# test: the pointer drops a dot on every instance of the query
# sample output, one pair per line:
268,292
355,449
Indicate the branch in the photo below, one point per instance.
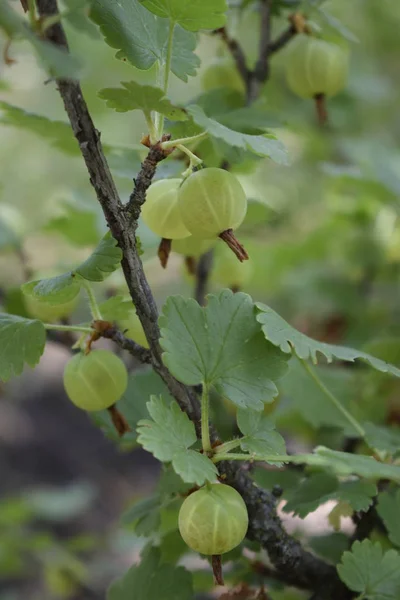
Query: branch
286,553
204,267
142,354
261,71
283,39
237,53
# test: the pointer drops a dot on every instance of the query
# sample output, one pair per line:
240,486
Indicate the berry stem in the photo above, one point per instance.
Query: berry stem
234,244
320,106
120,423
151,127
94,307
205,430
216,563
56,327
184,141
167,70
311,372
164,250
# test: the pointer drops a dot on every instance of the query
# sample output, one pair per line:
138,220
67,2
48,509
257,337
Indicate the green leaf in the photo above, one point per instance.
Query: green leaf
55,290
322,487
190,14
382,438
337,25
22,342
105,259
57,133
370,572
151,579
77,226
221,345
142,38
141,97
144,515
258,144
168,436
260,435
116,308
388,508
77,16
288,339
141,385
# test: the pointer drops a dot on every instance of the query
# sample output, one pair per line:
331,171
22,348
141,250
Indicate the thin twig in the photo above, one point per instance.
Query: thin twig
237,53
261,71
285,37
142,354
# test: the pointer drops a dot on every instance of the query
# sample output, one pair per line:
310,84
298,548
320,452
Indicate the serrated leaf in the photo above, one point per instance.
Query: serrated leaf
260,436
168,437
141,97
57,133
151,579
77,16
370,572
288,339
141,385
54,290
220,346
388,509
77,226
190,14
381,438
116,308
22,342
142,38
322,487
258,144
105,259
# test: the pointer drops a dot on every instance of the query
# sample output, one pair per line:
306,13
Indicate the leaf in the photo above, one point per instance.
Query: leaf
382,438
168,436
144,516
260,145
105,259
190,14
220,346
22,342
77,226
367,570
55,290
141,97
322,487
388,509
142,38
150,579
57,133
126,163
337,25
260,436
116,308
141,385
77,16
288,339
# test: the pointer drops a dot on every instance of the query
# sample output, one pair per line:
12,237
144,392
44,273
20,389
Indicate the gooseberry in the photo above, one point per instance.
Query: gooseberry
133,329
221,72
192,246
213,203
229,272
214,519
160,211
48,313
316,67
95,381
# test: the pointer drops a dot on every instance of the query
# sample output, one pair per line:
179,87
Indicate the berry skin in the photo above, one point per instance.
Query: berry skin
48,313
95,381
134,330
211,201
221,72
160,211
228,271
316,67
192,246
214,519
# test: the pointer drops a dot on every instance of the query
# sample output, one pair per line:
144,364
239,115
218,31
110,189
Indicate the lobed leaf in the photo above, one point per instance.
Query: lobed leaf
105,259
376,576
78,226
258,144
260,436
22,342
288,339
190,14
221,346
141,97
388,509
54,290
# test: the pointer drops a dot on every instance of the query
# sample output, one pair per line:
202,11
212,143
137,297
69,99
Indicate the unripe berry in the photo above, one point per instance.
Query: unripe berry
316,67
160,211
49,313
192,246
133,329
214,519
221,72
95,381
228,271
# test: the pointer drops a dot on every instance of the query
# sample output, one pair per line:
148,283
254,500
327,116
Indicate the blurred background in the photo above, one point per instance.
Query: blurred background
323,237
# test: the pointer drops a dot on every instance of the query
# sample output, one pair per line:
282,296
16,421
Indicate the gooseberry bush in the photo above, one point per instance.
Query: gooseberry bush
248,416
